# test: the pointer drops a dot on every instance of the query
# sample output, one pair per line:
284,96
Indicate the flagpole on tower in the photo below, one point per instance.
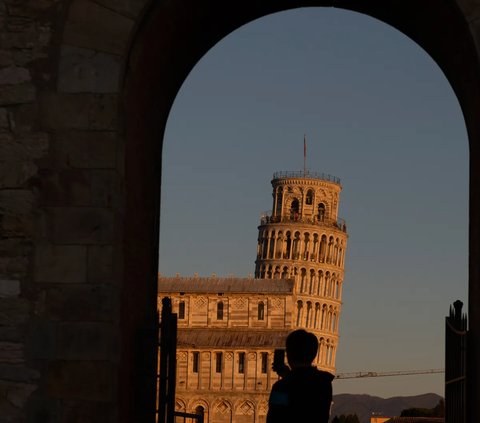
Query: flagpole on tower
304,155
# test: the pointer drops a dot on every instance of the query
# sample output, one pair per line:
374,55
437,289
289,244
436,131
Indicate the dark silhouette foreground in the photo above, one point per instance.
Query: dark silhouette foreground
303,394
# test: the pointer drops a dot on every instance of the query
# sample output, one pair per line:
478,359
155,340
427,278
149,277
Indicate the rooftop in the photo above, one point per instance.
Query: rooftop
307,175
223,285
414,419
231,338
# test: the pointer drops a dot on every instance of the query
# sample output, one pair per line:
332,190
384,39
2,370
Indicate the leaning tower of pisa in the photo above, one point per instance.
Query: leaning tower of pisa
302,238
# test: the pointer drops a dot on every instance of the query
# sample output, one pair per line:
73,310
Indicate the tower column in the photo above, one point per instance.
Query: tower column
274,238
275,199
268,245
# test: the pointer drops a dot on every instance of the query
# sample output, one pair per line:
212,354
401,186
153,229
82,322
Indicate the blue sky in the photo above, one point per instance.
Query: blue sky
379,114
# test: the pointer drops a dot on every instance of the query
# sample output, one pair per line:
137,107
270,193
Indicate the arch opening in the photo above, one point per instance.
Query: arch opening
144,204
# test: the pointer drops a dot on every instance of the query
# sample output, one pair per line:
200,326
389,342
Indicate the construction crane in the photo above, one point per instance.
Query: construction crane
384,374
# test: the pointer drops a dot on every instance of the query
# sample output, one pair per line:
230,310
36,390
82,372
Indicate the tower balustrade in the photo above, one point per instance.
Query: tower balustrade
268,218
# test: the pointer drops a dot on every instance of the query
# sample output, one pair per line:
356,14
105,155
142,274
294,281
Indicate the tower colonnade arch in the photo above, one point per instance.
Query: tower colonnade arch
305,244
310,281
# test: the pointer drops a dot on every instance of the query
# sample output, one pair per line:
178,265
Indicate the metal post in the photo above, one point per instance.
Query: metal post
162,388
172,367
455,365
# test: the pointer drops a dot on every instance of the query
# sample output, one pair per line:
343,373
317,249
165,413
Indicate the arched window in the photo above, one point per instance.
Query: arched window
306,246
313,256
220,310
278,245
272,244
264,356
181,310
319,282
330,250
323,249
308,199
326,283
200,411
218,366
288,246
299,312
322,322
195,359
265,245
285,273
296,246
261,311
294,209
262,272
279,201
315,319
276,275
321,212
303,281
312,282
241,362
321,347
308,321
269,272
334,322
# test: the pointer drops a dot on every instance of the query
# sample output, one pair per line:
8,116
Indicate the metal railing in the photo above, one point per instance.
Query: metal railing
167,364
455,364
308,175
339,224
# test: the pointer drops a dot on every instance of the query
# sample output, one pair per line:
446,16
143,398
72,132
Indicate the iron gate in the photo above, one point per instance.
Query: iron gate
167,369
455,364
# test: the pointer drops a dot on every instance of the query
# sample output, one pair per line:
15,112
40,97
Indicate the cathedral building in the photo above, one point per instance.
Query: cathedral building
228,328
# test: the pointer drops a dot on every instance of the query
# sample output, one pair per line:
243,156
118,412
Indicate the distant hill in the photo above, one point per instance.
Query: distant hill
365,405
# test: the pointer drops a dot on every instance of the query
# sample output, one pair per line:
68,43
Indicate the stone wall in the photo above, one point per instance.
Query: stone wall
230,377
238,408
240,310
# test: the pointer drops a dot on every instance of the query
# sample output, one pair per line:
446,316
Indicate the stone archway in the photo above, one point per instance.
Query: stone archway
86,90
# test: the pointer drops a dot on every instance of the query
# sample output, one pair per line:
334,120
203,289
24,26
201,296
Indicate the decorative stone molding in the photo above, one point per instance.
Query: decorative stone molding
263,407
222,405
200,302
277,303
180,404
240,303
246,407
